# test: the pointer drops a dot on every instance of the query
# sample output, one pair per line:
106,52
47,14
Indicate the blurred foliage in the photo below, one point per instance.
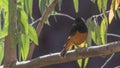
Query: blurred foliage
25,33
22,32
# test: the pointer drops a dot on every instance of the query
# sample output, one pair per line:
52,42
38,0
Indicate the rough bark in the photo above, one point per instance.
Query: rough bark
93,51
40,25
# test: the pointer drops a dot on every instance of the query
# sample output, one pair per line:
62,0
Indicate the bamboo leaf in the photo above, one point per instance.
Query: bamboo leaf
89,41
113,7
33,35
4,31
83,62
86,62
28,7
118,13
79,61
94,31
98,36
19,46
103,30
24,20
76,5
42,5
99,4
102,5
1,50
4,4
59,4
25,46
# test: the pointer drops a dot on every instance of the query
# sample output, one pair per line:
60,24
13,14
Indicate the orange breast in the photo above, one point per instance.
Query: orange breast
77,39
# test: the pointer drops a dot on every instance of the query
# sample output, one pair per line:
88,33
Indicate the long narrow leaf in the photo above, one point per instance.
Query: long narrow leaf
24,21
25,46
33,35
28,7
4,31
76,5
86,62
79,61
103,29
42,5
1,50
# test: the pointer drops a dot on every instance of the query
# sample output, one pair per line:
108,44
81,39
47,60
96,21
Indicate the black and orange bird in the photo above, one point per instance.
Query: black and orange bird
77,35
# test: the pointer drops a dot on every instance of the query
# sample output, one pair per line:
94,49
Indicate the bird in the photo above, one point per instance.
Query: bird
78,35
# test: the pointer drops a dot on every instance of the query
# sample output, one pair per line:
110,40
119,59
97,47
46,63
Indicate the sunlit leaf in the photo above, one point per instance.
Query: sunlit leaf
113,7
28,4
76,5
25,46
79,61
117,2
4,4
86,62
99,3
83,62
102,5
1,50
24,21
111,15
103,30
4,31
32,35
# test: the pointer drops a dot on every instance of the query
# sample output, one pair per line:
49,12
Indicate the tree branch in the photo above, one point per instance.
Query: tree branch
72,55
10,58
40,25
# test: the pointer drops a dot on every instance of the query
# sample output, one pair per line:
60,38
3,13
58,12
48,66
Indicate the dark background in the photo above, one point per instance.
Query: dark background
53,37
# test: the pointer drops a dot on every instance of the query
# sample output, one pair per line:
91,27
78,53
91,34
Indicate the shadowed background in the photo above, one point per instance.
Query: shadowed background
53,36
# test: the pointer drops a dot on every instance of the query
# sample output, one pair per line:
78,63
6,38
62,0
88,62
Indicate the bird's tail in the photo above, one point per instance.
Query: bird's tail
66,47
63,52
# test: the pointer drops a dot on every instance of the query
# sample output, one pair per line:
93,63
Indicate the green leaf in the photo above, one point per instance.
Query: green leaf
4,31
99,3
89,41
4,4
42,5
59,4
19,46
102,5
103,30
98,40
76,5
83,62
94,30
91,33
86,62
25,46
28,7
33,35
79,61
94,1
23,18
1,50
118,13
